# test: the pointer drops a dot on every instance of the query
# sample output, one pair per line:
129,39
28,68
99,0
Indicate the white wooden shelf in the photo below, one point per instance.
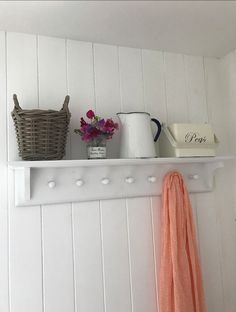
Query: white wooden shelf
47,182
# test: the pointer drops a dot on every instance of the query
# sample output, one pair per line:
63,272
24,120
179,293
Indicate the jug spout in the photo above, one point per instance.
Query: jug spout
122,117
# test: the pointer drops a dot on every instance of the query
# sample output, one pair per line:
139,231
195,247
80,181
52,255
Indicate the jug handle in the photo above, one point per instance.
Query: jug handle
158,128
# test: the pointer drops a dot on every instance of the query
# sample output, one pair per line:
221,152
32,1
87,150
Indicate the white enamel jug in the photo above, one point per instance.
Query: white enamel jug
136,135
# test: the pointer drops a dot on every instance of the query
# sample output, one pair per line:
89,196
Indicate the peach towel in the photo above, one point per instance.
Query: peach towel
180,278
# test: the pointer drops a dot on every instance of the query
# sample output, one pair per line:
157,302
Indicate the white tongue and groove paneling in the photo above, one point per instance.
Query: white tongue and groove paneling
155,103
226,235
25,271
107,86
80,263
216,103
156,218
21,80
81,90
154,87
52,72
131,79
209,241
57,227
25,258
4,295
196,93
205,213
224,194
115,255
52,75
176,93
57,258
142,264
154,84
141,257
88,262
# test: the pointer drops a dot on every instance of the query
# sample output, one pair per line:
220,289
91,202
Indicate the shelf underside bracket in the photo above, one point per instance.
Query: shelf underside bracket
22,185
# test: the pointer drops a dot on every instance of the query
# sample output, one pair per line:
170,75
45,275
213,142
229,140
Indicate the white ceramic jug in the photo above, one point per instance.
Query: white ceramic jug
136,135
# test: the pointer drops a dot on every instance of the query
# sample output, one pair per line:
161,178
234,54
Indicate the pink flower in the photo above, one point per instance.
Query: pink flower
97,128
109,123
82,122
90,114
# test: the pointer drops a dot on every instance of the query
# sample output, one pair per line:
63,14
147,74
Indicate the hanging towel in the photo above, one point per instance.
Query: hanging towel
180,278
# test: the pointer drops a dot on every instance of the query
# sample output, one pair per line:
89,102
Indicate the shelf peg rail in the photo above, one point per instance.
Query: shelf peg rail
49,182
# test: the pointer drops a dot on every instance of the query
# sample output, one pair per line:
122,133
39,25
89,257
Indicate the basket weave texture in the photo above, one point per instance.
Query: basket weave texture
41,134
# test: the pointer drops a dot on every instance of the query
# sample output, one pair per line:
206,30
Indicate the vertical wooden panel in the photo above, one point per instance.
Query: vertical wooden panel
25,259
4,295
81,90
216,101
197,106
184,85
154,87
193,200
107,86
222,78
88,257
52,69
156,227
143,287
225,209
106,79
175,88
52,72
154,84
57,227
21,79
205,214
226,75
131,80
210,253
141,255
24,224
224,205
58,258
116,256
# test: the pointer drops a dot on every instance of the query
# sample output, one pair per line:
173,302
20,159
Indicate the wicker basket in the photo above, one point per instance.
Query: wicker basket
41,134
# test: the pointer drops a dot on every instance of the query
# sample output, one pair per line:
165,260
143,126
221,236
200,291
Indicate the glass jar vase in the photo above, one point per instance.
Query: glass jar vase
96,149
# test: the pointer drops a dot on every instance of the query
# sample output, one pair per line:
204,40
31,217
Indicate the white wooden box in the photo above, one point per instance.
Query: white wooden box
192,133
187,140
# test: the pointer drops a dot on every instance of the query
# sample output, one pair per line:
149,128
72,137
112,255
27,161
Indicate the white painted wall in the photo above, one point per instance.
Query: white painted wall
103,256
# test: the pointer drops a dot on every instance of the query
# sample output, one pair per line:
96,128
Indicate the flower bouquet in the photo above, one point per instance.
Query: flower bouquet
95,133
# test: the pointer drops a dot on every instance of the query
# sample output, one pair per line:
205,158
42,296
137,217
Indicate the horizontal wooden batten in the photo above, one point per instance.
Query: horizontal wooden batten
86,180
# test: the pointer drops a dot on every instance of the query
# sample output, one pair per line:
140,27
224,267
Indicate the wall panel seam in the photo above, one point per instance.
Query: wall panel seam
165,85
129,257
73,254
143,85
67,91
42,258
119,73
186,80
9,236
154,252
7,177
219,242
205,90
102,257
37,66
94,80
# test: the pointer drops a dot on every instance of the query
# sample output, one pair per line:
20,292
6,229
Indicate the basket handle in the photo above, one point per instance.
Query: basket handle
17,105
65,104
